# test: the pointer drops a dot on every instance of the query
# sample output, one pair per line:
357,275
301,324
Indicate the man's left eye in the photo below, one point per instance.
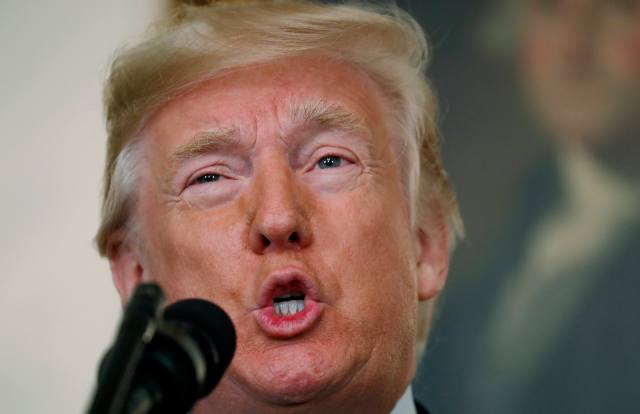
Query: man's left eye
330,161
208,178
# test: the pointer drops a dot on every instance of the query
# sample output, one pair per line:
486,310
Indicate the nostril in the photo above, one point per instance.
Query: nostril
266,242
294,238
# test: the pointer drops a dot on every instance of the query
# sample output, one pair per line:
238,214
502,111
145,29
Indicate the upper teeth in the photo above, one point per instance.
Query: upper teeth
288,307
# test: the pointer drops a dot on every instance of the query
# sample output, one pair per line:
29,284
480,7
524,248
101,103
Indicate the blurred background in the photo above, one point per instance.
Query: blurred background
541,126
58,307
540,114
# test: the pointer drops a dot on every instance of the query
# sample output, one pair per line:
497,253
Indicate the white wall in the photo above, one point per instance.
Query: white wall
58,309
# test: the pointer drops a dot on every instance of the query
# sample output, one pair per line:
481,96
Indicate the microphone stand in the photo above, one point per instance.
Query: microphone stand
139,323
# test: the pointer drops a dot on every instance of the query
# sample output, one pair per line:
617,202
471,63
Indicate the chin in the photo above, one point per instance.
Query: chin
290,374
294,388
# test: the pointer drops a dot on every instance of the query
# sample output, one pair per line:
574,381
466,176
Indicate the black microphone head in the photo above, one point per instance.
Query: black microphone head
212,329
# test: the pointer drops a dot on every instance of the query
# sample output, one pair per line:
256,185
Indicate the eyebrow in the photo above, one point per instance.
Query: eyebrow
204,142
327,116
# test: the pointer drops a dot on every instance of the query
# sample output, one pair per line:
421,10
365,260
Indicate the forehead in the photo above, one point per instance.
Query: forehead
245,95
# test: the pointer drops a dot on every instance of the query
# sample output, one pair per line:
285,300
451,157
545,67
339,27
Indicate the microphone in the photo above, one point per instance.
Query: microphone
185,360
137,328
164,363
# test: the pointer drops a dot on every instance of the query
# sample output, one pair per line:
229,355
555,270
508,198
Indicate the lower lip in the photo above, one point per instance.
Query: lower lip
288,326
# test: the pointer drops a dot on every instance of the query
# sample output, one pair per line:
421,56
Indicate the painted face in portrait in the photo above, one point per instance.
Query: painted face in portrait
580,62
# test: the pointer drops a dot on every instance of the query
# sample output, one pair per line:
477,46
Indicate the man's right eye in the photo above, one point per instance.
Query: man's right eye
207,178
330,161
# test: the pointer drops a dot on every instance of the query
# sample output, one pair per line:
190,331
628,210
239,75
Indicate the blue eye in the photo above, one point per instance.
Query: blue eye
208,178
330,161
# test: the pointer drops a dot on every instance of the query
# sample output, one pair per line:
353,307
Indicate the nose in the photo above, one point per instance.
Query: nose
279,219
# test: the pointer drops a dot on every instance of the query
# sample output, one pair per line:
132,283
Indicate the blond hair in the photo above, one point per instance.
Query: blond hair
198,42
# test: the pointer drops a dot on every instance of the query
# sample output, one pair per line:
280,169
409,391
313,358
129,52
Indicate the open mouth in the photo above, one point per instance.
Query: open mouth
289,304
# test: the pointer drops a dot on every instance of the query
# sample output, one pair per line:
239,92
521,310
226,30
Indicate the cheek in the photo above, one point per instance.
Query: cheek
373,259
190,259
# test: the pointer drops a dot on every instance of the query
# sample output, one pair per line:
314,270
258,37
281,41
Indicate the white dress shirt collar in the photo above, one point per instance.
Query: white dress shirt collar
405,404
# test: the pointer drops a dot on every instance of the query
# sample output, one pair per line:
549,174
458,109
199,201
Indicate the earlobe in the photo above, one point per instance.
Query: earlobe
433,260
126,268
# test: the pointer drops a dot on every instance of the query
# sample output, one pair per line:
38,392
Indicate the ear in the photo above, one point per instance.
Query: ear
433,258
126,267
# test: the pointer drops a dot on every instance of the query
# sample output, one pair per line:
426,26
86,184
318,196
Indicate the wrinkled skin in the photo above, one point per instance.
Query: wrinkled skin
217,223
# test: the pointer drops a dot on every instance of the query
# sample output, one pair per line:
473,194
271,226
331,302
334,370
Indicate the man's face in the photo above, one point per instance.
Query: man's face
581,65
274,191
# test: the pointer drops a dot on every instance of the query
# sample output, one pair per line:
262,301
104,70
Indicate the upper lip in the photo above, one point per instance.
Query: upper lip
283,278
